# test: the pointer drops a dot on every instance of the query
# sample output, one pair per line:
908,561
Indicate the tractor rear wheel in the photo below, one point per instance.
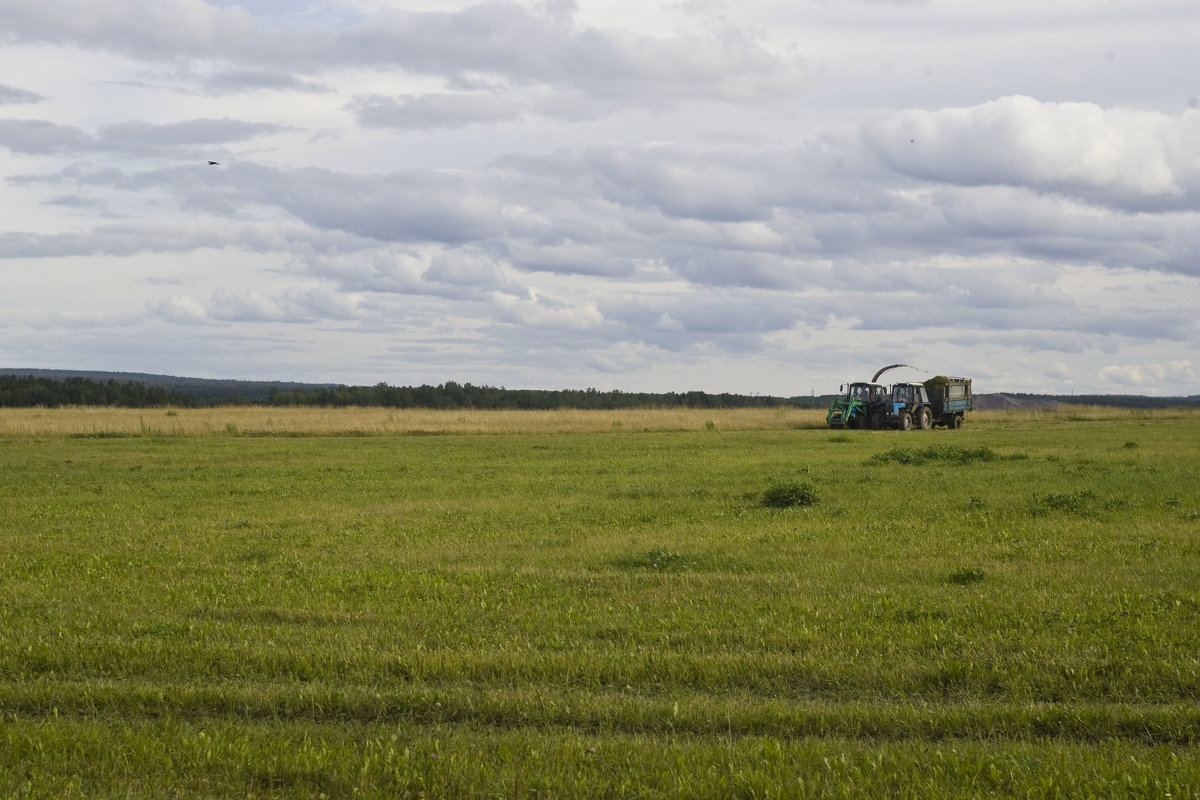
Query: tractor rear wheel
905,421
925,419
877,421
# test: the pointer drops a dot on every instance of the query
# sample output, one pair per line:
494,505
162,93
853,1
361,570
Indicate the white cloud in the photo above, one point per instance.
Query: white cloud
182,310
1140,376
545,313
1116,156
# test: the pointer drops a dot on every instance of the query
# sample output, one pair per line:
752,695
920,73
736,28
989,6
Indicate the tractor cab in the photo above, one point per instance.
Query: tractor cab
866,392
908,395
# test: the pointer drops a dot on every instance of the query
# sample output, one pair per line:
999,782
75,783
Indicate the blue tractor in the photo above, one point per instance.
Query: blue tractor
907,407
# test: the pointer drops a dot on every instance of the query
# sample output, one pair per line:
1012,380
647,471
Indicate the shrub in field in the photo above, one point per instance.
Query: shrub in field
1084,503
789,494
656,559
947,453
966,575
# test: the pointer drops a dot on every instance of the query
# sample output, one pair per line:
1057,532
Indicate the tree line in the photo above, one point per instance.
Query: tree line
26,391
453,395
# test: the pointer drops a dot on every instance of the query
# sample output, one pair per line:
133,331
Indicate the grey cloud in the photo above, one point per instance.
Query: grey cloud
134,238
166,30
679,183
569,257
12,95
739,313
416,205
676,321
39,137
138,136
291,306
411,206
78,202
1007,287
234,81
474,275
507,40
1038,225
452,275
436,110
715,267
718,184
497,44
1045,316
389,271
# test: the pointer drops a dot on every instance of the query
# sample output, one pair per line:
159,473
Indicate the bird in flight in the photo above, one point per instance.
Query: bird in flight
214,163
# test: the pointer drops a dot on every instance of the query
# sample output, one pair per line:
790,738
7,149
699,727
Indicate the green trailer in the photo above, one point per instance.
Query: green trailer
950,400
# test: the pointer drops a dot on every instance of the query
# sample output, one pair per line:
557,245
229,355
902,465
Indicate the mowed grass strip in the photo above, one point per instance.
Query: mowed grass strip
333,759
1005,609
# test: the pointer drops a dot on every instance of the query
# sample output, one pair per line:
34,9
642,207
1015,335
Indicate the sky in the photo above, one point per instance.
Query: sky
750,196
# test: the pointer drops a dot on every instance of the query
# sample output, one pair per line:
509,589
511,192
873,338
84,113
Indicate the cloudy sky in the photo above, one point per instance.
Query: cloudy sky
753,196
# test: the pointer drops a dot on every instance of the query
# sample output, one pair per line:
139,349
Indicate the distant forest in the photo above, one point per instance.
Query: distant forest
28,391
25,391
465,395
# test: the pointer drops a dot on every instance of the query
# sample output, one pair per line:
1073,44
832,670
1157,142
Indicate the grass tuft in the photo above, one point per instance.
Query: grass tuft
965,576
789,494
943,453
656,560
1083,503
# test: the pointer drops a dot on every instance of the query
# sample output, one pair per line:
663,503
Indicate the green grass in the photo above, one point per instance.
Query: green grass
1010,609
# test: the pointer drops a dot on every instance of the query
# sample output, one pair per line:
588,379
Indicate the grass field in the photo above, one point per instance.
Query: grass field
297,603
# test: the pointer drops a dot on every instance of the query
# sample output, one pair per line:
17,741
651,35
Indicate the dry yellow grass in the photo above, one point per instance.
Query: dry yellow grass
1065,414
18,423
270,421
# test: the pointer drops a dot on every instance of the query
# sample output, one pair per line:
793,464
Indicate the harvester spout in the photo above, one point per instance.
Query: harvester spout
885,369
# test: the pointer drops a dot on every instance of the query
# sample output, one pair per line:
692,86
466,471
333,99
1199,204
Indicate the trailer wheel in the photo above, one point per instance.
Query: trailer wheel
957,422
925,419
905,423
